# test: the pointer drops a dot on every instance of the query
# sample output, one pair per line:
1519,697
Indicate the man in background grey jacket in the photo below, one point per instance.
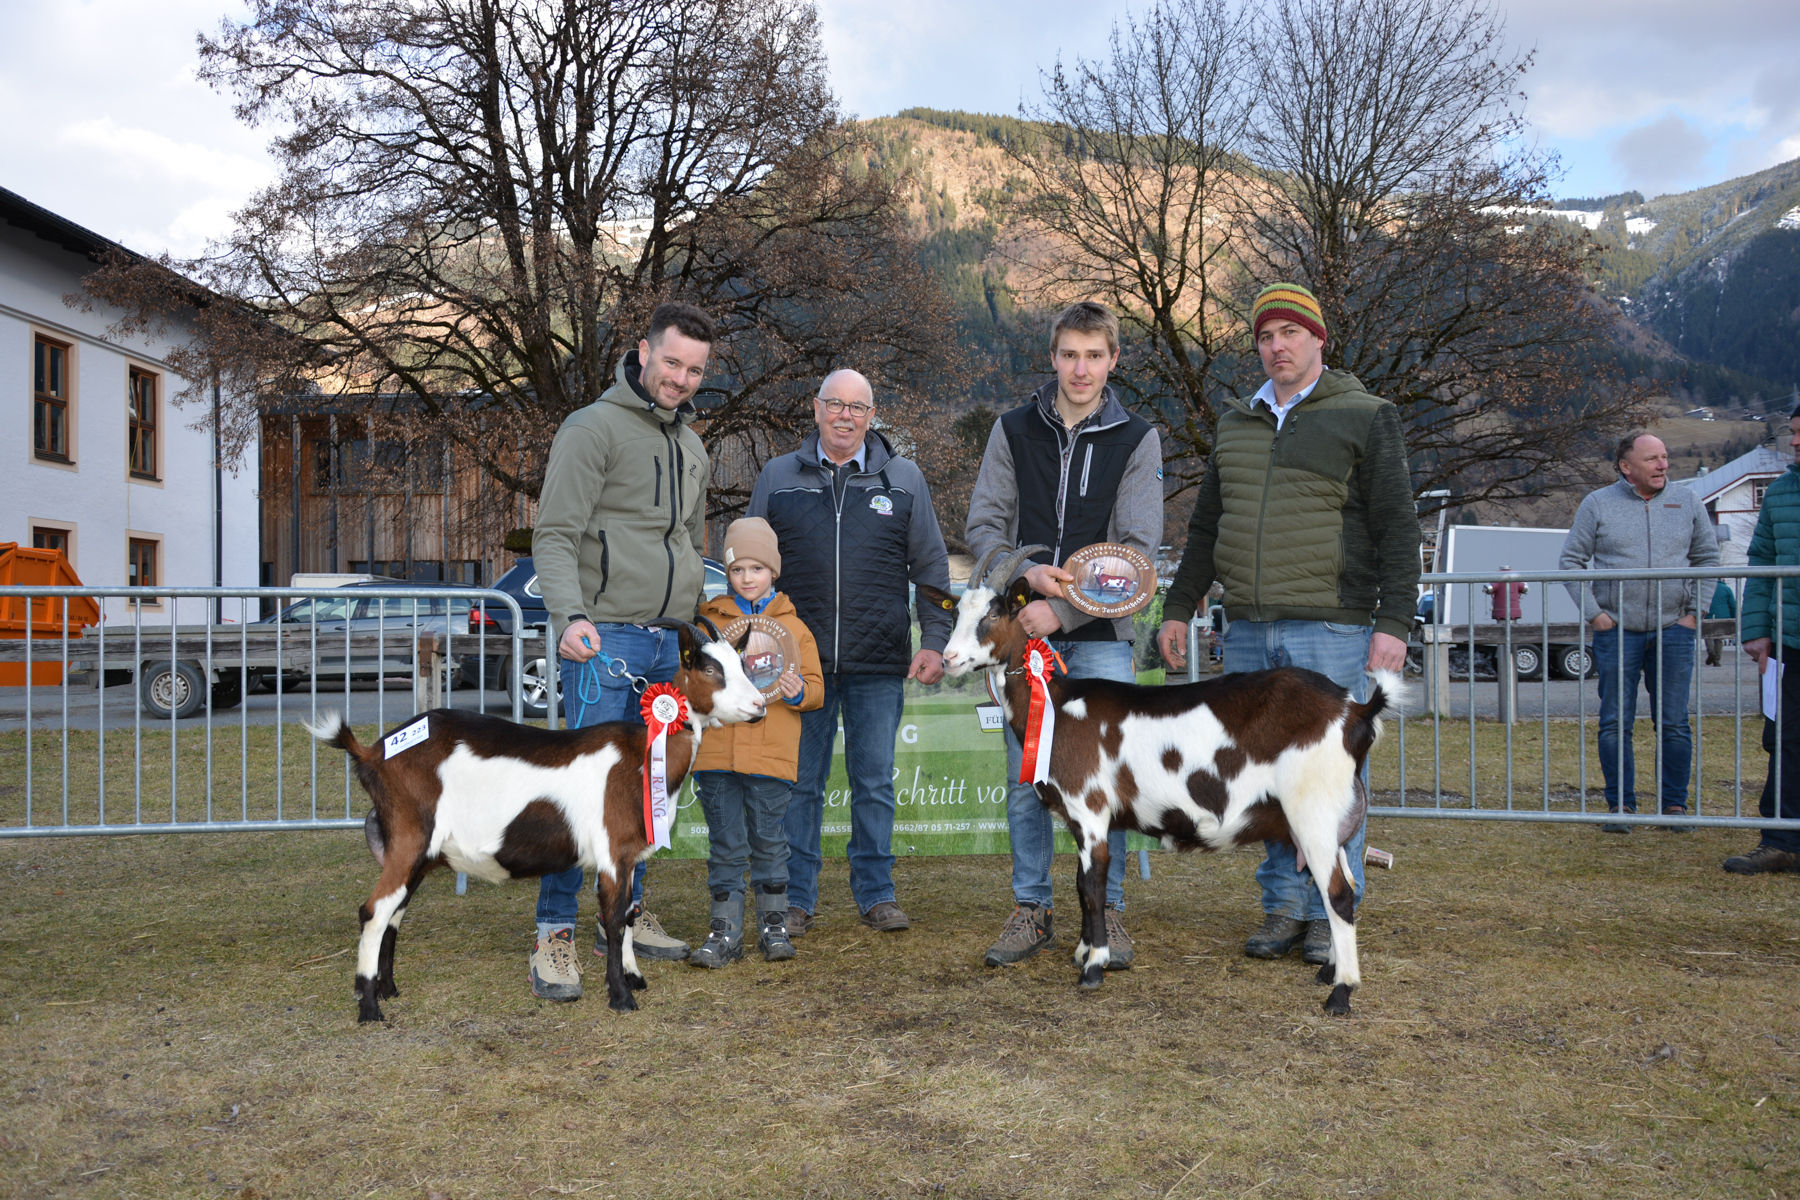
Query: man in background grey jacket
1642,627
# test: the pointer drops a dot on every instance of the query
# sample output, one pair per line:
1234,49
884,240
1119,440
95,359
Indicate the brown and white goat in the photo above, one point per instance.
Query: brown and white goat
505,801
1264,755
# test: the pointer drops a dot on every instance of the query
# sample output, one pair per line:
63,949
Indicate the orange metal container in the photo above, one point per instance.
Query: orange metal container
49,615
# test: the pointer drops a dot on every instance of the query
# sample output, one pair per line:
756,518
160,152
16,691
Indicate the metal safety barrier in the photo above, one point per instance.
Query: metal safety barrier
1479,741
189,762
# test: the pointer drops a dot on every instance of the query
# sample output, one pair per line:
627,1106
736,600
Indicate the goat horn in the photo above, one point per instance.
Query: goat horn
1003,574
711,629
979,574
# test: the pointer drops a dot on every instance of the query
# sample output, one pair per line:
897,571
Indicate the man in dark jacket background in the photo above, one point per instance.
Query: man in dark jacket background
855,525
1068,468
1306,516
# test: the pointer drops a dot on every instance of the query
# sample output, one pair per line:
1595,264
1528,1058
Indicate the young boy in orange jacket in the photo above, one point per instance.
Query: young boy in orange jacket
744,773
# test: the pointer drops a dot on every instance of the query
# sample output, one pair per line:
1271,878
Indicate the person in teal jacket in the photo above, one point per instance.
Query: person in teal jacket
1777,541
1723,608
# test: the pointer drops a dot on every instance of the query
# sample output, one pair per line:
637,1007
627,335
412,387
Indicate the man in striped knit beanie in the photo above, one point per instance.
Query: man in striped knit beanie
1306,517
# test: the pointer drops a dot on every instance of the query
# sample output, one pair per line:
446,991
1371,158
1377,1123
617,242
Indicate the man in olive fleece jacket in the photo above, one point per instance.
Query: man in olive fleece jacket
1306,516
620,527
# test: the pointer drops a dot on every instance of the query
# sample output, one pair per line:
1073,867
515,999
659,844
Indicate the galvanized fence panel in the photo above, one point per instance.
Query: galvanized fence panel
1470,748
1478,714
185,680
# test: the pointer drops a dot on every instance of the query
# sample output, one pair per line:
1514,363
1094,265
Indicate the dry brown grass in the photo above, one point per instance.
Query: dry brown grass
1547,1012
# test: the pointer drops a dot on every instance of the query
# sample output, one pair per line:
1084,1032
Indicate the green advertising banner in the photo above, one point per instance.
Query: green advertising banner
949,785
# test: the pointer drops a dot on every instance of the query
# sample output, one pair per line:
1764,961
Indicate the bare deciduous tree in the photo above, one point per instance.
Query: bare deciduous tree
1392,187
480,201
1130,202
1363,148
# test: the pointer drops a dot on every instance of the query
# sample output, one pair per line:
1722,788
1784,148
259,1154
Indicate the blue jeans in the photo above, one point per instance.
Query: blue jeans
870,705
1341,654
744,816
1668,674
592,695
1028,823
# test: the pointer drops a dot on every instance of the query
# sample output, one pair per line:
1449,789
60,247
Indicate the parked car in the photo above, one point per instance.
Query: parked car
351,607
491,662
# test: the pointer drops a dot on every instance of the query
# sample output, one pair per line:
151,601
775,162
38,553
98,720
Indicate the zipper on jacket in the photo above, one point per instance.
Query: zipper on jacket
1087,463
1262,513
674,445
656,499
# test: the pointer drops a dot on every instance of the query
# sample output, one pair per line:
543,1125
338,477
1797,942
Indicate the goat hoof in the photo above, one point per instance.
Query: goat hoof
1338,1003
1092,977
624,1002
385,990
1327,973
369,1014
637,983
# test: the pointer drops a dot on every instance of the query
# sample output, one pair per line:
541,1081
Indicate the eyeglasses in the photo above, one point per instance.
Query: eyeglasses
857,408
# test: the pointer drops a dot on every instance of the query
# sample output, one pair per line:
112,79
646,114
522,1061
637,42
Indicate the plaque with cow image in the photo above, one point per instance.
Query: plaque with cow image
770,651
1111,580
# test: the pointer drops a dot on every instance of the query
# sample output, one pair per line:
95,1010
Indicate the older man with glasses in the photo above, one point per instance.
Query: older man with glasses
855,526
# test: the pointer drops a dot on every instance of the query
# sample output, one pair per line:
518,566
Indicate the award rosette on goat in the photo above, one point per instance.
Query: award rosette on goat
1111,580
769,651
664,708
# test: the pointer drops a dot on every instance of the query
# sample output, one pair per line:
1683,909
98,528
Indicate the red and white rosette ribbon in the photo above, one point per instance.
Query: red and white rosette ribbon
664,708
1040,714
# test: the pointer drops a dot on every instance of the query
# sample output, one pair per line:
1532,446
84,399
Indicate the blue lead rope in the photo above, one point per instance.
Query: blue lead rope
588,685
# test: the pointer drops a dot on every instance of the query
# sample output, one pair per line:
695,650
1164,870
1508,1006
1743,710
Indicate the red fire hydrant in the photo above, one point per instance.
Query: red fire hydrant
1506,598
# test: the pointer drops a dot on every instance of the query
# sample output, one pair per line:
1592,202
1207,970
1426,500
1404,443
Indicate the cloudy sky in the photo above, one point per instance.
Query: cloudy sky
109,127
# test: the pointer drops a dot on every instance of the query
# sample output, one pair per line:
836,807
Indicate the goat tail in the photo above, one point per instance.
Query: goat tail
333,730
1389,695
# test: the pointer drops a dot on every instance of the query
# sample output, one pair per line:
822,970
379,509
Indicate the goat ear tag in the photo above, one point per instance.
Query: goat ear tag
770,650
1111,580
400,739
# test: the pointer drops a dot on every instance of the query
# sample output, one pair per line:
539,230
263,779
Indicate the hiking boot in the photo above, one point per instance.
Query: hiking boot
886,917
1025,933
1614,827
1277,936
555,968
647,940
1317,947
1764,860
799,921
725,940
771,918
1677,812
1118,942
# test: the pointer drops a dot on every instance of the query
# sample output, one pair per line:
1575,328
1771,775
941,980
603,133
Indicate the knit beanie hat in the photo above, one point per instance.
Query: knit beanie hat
1288,302
751,538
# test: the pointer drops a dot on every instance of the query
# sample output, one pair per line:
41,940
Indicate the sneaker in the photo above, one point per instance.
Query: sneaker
799,921
555,969
1317,947
1764,860
1118,942
1025,933
774,942
722,945
1277,936
647,940
887,917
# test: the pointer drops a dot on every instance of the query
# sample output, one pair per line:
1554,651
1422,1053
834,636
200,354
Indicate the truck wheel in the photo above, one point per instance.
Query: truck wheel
1573,662
228,692
1528,661
176,687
